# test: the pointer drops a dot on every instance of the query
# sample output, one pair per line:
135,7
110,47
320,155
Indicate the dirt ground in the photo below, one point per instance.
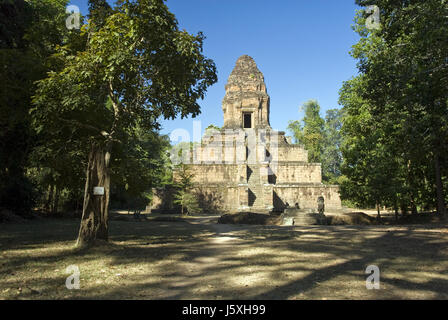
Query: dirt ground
199,259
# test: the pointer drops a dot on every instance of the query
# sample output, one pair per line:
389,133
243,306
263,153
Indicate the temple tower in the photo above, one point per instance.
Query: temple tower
246,103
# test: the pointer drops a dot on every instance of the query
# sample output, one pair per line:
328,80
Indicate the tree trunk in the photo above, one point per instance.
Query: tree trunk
411,181
94,221
441,209
404,210
48,203
378,208
396,210
55,205
414,210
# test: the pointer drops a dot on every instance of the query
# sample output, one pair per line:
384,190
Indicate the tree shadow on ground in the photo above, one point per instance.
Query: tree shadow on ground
190,260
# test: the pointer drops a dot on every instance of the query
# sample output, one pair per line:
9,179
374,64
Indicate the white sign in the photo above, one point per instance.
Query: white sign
98,191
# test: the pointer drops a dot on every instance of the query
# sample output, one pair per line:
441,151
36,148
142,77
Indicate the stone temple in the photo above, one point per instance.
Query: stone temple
246,166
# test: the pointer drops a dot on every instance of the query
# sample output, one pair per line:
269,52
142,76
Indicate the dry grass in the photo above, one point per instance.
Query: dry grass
197,259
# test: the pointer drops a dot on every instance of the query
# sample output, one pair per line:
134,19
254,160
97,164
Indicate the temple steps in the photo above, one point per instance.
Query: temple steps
253,175
255,187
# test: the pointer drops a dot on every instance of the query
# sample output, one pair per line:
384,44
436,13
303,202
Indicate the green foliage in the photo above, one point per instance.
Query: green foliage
310,131
184,196
99,10
135,67
182,153
30,32
139,164
396,112
58,169
321,138
18,195
108,82
139,62
212,128
332,154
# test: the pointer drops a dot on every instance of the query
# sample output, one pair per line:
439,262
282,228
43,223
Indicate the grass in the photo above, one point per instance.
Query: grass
198,259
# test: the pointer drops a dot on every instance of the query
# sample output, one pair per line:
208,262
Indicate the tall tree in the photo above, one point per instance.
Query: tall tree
30,32
99,10
403,71
139,164
136,68
332,155
415,44
310,131
371,170
184,196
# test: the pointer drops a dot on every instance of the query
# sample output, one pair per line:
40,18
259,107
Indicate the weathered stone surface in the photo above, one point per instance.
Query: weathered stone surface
300,217
246,93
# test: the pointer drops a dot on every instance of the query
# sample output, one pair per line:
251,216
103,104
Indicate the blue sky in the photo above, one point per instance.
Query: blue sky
301,46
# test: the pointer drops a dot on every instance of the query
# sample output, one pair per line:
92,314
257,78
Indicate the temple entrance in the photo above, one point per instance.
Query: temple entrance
247,119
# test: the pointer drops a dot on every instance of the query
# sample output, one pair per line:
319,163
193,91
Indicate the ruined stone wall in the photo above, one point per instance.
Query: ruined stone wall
259,146
212,198
306,196
230,153
216,173
229,174
292,153
216,198
163,200
289,172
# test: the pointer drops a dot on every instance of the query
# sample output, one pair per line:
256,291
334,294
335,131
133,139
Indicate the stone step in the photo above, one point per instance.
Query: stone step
304,219
257,192
254,176
256,187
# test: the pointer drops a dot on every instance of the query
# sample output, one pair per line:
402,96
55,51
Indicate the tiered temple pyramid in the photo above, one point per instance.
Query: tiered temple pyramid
248,166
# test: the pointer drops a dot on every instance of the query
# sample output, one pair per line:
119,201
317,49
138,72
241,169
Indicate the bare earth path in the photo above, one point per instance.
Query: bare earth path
199,259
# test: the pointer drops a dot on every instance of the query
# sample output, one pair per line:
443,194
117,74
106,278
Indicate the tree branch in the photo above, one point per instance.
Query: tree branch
103,133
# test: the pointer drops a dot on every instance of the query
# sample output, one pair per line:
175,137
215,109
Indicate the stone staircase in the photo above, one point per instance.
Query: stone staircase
255,188
303,217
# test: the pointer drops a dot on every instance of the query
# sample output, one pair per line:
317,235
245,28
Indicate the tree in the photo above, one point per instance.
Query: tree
404,68
136,68
30,32
183,152
371,170
310,131
332,155
184,196
58,168
321,138
140,164
99,10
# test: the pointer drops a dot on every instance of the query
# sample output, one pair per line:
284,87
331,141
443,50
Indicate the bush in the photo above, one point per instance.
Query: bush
353,218
17,195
